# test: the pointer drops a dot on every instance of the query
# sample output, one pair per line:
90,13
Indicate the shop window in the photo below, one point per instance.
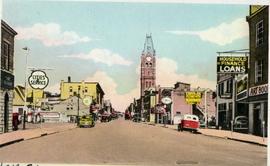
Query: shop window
259,33
258,71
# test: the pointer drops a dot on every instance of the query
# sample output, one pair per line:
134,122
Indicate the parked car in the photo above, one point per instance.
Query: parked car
202,123
136,117
189,122
105,117
240,122
86,121
177,119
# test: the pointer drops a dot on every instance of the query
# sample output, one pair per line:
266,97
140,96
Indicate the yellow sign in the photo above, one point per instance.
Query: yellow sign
193,97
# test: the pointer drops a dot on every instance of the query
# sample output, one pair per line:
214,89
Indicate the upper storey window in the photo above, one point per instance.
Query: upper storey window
259,33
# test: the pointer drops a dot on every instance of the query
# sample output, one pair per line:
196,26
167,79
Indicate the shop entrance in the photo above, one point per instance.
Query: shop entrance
6,113
257,120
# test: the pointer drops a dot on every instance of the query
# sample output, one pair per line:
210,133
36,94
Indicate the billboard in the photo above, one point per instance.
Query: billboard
241,87
232,64
193,97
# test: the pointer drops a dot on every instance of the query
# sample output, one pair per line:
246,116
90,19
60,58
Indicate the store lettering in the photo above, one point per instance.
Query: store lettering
259,90
232,69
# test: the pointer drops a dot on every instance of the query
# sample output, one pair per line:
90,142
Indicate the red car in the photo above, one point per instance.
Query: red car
189,122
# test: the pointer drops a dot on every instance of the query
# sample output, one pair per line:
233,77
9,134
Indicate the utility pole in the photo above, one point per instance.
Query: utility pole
78,97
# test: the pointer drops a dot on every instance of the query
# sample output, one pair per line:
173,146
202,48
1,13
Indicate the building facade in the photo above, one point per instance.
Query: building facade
225,100
7,77
84,89
258,69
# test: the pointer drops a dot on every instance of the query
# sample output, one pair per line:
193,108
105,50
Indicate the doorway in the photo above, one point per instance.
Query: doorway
6,113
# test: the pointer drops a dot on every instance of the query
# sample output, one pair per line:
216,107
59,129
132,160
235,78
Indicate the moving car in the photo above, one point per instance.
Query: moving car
105,117
86,121
189,122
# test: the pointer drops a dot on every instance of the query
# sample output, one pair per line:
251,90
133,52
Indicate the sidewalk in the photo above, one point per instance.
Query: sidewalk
224,134
20,135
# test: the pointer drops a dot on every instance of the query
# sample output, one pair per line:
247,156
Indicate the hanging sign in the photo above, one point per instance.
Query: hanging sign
193,97
241,87
87,100
38,80
166,100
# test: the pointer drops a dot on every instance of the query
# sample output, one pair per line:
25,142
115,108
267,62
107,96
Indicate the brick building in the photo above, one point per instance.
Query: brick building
7,77
258,69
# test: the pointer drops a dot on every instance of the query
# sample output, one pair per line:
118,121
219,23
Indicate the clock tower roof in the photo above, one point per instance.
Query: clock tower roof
148,46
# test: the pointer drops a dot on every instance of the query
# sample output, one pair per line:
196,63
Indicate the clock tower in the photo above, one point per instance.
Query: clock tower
148,65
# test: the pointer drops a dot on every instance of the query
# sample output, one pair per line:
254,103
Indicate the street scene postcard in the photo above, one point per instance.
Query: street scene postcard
134,83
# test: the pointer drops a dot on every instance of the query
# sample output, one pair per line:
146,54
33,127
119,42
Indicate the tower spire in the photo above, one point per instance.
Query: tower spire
148,45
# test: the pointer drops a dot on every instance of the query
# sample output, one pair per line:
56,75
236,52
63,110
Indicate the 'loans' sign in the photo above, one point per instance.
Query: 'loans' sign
38,80
230,64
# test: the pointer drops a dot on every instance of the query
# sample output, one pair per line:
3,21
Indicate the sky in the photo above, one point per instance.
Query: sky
103,41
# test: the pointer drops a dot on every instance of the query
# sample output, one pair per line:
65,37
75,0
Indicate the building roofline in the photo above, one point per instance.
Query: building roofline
5,25
255,13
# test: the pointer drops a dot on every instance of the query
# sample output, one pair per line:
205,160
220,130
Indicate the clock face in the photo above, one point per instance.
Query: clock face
148,58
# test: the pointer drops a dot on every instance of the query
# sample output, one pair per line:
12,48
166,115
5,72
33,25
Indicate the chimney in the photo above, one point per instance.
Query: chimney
69,79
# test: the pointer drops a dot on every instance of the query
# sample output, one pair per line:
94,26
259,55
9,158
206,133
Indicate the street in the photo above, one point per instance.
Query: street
128,143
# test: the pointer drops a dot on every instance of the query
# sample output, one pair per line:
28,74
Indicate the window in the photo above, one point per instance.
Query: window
258,71
86,90
229,86
6,57
70,89
221,88
259,33
146,84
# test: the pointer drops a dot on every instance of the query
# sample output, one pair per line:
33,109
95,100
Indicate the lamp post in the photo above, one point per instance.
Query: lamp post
25,84
205,107
78,97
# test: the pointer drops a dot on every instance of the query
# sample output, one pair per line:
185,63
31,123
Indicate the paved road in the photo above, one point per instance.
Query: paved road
127,143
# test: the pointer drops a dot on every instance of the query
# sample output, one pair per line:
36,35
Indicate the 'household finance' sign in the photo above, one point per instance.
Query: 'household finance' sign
38,80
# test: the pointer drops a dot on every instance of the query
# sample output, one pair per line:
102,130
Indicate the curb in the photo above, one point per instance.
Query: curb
250,142
11,142
24,139
229,138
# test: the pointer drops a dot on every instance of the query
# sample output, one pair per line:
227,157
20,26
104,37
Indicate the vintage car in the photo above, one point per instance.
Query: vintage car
105,117
86,121
189,122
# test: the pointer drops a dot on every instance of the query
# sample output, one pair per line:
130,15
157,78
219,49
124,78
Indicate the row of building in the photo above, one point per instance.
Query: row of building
241,92
172,99
64,107
74,97
246,94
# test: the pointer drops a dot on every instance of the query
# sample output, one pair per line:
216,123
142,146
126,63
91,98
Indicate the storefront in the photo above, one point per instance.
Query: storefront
6,97
258,106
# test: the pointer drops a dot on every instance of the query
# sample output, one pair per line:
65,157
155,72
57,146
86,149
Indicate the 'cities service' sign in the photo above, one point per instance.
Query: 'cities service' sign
232,64
38,80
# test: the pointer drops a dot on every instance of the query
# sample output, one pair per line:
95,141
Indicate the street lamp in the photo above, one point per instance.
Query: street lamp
205,107
25,84
78,97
